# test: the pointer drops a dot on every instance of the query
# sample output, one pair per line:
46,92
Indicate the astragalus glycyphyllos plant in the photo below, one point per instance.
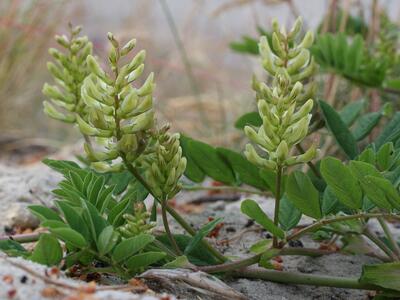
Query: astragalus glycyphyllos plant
98,221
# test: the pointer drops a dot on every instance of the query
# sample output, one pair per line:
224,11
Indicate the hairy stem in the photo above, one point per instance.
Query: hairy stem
167,229
301,278
390,237
181,221
277,201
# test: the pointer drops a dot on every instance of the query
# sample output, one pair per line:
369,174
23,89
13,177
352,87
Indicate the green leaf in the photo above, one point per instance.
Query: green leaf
93,219
383,275
179,262
261,246
61,166
384,156
341,180
207,159
131,246
351,111
330,203
108,238
115,215
269,178
252,118
365,124
339,130
246,171
53,224
361,170
390,132
74,218
95,190
48,251
121,181
69,236
144,259
355,54
12,248
193,171
303,194
253,211
200,234
289,215
76,180
368,156
44,213
378,189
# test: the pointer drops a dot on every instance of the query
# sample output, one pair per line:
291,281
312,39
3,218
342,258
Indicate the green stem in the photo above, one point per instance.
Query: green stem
324,222
225,188
301,278
370,235
181,221
390,237
167,229
277,202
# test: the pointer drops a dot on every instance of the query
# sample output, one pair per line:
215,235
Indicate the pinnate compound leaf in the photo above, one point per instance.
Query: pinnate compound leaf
130,246
253,211
339,130
303,194
47,251
342,181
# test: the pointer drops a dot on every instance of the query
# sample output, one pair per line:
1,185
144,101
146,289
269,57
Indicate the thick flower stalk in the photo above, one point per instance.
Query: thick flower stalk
164,168
285,106
120,115
69,70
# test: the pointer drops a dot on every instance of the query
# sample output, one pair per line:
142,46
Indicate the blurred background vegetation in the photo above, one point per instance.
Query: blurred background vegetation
195,48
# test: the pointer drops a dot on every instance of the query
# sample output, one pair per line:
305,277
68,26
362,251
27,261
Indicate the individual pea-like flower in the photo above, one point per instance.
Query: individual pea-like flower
165,165
285,106
120,115
69,69
136,223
